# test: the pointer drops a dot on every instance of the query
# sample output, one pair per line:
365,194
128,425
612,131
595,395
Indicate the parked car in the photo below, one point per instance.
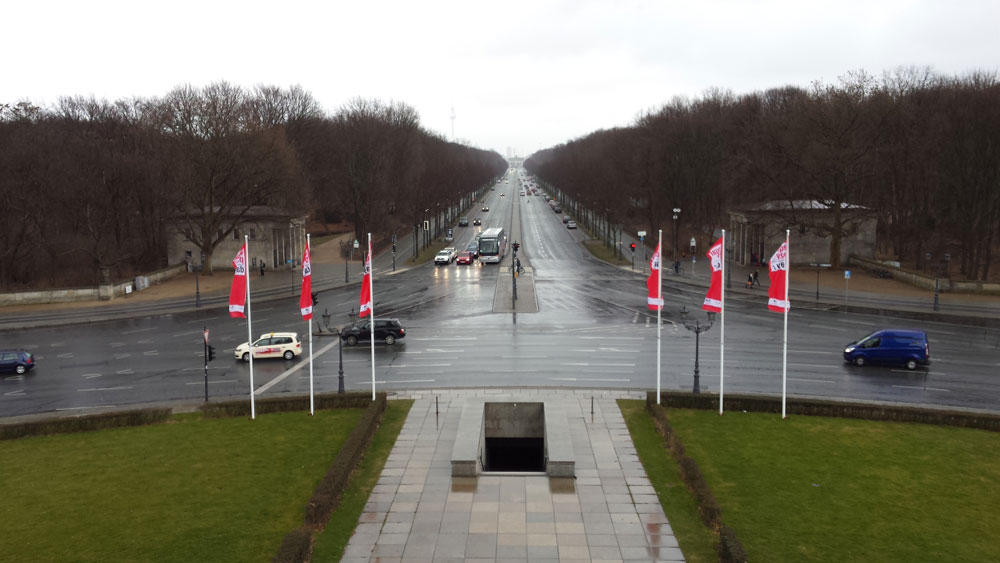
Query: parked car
463,222
464,257
557,209
386,330
565,219
571,224
476,221
892,346
271,345
473,248
16,361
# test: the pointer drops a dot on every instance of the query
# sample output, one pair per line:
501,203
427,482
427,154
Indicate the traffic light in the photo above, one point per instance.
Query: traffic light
315,298
211,353
632,246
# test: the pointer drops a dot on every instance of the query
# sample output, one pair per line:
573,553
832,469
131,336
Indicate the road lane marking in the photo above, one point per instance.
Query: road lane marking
622,380
139,330
607,371
127,371
822,366
812,352
213,381
525,357
921,388
345,361
14,378
260,390
12,393
191,333
404,366
145,341
810,380
121,356
103,389
151,353
517,370
91,375
826,327
587,364
116,344
65,355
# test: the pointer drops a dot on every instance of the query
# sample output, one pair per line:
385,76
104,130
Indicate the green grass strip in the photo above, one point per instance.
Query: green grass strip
331,542
696,541
191,490
828,489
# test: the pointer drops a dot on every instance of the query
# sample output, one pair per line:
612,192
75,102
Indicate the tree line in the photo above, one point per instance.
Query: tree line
919,150
87,185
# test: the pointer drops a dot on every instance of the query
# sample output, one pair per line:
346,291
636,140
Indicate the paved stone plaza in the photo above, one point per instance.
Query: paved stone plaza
419,512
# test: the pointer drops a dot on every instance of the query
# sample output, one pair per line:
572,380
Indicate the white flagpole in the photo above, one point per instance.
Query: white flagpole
371,316
784,348
312,410
659,309
246,264
722,327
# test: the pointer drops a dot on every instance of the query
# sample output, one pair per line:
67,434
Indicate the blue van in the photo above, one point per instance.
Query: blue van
891,346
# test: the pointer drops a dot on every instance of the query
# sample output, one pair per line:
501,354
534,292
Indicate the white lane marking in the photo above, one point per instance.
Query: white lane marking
213,382
822,366
91,375
449,338
908,371
193,332
943,332
811,352
855,322
127,371
384,382
607,371
260,390
57,344
403,366
202,368
65,355
151,353
121,356
811,380
145,341
921,388
14,378
12,393
525,357
826,327
587,379
414,373
587,364
116,344
139,330
610,338
345,361
103,389
511,370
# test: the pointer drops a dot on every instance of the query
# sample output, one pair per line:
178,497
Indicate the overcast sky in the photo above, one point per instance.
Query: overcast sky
521,75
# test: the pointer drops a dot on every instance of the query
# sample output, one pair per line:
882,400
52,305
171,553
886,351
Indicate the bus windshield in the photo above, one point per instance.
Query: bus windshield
489,246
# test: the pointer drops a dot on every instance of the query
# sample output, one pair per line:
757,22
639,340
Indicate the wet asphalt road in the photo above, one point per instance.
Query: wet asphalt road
592,330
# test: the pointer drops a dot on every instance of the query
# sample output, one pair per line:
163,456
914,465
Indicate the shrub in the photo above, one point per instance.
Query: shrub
286,404
85,423
295,547
730,548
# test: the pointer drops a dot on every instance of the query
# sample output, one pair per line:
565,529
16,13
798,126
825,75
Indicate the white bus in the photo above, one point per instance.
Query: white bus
492,245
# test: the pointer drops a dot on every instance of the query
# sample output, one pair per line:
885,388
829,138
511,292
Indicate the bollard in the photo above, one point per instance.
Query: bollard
436,404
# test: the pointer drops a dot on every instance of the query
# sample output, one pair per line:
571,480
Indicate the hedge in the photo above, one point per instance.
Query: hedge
297,545
323,401
85,423
730,549
834,409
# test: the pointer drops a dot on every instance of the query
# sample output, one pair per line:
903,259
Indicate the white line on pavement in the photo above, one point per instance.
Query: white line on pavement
810,380
139,330
213,382
104,389
921,388
260,390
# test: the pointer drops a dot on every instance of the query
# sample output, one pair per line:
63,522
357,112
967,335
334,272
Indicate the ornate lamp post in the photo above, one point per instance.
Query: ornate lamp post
695,326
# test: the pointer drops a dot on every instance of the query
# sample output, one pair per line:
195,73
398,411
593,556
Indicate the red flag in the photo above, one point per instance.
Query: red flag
713,300
238,292
305,298
366,286
653,282
778,272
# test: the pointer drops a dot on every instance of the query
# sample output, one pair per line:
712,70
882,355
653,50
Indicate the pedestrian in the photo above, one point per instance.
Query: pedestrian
754,259
756,278
677,266
261,268
750,281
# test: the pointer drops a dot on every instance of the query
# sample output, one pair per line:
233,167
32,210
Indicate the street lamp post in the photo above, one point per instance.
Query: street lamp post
677,211
695,326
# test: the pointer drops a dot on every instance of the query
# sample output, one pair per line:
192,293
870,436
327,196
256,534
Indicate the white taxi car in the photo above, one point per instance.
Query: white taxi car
272,345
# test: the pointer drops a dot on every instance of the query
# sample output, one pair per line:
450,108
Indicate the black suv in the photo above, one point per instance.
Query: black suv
463,222
17,361
386,330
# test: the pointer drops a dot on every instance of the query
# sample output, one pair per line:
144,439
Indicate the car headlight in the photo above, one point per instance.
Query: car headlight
849,349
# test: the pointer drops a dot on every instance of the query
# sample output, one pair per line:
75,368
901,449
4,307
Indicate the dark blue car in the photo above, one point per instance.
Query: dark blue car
890,346
17,361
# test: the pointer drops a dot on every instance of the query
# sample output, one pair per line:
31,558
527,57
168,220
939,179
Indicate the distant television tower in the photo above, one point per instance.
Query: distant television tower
453,124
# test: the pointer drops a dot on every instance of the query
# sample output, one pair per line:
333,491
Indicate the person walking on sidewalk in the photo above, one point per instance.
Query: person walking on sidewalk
261,268
755,276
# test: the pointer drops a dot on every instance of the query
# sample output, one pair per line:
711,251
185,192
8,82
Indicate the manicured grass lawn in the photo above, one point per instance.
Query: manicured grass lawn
695,540
192,490
331,542
826,489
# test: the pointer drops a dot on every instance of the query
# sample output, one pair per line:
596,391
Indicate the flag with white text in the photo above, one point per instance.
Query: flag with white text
713,300
305,298
238,291
778,273
366,286
653,282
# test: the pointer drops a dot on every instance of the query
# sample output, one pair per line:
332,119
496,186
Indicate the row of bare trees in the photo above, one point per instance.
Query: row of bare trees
87,185
920,150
